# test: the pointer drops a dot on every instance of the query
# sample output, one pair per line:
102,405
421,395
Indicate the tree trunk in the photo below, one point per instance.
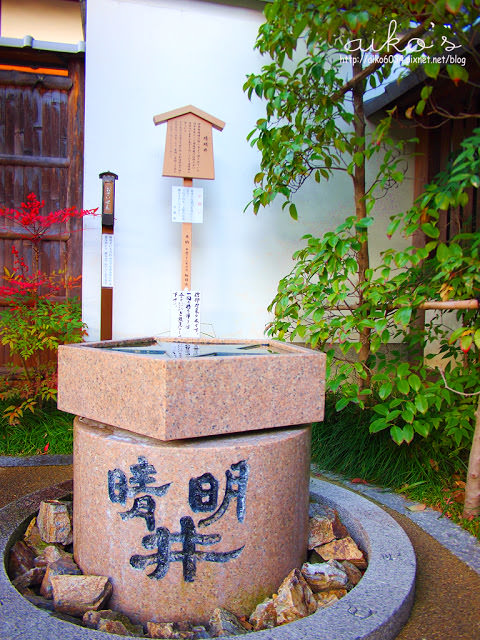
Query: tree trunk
472,489
361,210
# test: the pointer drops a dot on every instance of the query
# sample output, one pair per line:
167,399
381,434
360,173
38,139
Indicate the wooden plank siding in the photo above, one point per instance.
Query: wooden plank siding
41,151
435,149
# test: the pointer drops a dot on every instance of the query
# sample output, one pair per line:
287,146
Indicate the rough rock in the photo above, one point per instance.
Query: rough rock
326,598
62,566
176,630
354,574
50,554
160,629
322,511
54,522
75,595
114,626
22,559
29,578
294,599
264,616
246,624
320,531
92,619
33,538
200,632
344,549
324,576
223,623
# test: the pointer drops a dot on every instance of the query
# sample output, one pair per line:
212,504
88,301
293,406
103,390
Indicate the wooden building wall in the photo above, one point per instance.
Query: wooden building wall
41,151
435,148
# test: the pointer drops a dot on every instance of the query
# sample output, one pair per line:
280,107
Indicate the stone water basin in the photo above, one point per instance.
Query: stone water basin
171,389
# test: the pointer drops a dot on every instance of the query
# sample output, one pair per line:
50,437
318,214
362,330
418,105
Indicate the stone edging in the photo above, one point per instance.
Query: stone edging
35,461
375,610
450,535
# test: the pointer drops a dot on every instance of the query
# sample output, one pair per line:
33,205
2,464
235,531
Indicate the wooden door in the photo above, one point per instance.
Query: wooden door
41,151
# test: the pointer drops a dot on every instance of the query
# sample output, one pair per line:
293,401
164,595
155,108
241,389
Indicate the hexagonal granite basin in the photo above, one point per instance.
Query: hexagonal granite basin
171,389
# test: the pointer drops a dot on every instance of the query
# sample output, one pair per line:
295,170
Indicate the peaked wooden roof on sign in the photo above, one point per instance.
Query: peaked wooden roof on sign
181,111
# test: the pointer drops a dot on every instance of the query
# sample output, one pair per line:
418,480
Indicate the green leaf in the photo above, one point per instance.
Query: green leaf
402,385
341,404
430,230
421,427
453,6
414,381
352,21
292,209
425,92
443,253
456,335
421,403
408,433
457,73
420,108
442,200
363,223
403,315
317,71
397,435
378,425
382,409
358,158
432,69
476,338
466,343
385,390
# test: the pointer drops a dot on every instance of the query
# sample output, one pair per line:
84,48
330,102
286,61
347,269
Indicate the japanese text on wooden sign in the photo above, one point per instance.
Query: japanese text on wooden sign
187,204
188,148
108,196
202,498
185,314
107,260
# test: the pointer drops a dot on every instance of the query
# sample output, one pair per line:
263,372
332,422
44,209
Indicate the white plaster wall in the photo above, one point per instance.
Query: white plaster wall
146,57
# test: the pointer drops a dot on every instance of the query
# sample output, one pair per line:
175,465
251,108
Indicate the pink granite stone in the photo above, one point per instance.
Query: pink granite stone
185,397
121,524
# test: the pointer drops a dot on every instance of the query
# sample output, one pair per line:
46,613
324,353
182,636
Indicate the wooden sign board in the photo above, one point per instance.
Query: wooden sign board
189,144
188,149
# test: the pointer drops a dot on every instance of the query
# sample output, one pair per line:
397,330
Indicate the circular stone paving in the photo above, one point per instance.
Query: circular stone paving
375,609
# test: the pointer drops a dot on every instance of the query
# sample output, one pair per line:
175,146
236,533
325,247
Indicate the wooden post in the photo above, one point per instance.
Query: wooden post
186,281
188,155
108,211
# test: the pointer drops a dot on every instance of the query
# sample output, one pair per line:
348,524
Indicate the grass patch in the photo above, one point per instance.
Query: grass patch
47,426
426,470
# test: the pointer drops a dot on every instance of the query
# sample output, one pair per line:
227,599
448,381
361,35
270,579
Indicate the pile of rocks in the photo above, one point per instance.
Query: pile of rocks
42,568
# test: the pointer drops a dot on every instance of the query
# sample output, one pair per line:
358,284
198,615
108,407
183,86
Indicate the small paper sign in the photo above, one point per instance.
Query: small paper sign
107,260
185,314
187,204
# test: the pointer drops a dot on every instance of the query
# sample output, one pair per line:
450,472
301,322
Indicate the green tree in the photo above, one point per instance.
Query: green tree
315,126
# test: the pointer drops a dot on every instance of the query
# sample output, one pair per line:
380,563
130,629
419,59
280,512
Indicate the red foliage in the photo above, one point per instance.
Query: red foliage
34,223
31,284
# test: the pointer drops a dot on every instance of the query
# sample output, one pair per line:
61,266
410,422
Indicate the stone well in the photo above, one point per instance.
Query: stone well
191,463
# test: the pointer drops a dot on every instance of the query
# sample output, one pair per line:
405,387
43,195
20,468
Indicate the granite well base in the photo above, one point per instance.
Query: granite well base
183,527
375,610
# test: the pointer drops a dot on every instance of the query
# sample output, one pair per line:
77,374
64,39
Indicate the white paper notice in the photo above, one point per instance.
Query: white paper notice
185,314
187,204
107,260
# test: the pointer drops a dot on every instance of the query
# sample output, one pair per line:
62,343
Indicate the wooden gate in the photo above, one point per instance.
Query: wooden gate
41,151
